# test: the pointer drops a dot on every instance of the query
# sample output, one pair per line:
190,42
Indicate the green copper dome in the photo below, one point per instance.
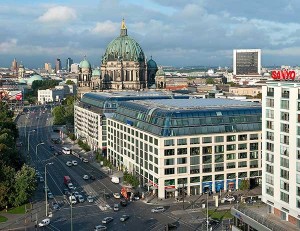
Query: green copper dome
151,64
85,64
160,72
96,72
123,48
34,78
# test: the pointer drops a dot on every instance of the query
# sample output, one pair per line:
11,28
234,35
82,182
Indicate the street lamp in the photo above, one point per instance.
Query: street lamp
36,149
28,139
46,187
207,211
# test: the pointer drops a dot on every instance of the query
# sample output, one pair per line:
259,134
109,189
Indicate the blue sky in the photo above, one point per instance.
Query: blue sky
173,32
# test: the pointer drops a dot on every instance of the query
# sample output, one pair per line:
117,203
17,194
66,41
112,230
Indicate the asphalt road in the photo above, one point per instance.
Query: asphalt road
86,215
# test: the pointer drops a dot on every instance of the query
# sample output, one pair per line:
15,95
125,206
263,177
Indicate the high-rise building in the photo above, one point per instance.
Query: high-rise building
57,65
48,67
14,65
69,62
247,62
75,68
281,149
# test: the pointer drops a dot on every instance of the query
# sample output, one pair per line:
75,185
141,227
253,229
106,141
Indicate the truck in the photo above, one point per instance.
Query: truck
67,180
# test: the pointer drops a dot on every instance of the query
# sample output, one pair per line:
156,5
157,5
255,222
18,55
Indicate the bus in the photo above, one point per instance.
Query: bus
66,150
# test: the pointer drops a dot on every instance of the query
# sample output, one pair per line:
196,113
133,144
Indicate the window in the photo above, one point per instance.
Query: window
194,160
285,116
242,174
242,137
206,159
181,170
242,155
284,150
242,146
181,151
269,113
253,155
207,150
181,142
231,147
284,162
284,174
206,140
242,164
219,158
230,138
284,185
194,151
270,102
230,156
219,177
169,161
284,197
285,93
169,142
219,149
254,164
194,169
269,168
270,190
219,167
230,165
169,171
284,139
194,141
269,179
270,147
181,160
195,179
253,146
219,139
270,135
231,176
207,168
284,104
270,125
169,182
169,152
253,136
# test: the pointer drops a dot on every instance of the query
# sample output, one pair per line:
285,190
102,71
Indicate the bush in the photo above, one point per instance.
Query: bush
72,136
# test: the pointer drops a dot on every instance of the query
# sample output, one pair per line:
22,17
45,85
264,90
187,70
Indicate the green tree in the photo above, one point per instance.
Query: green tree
244,185
43,85
59,115
6,185
69,82
210,81
25,185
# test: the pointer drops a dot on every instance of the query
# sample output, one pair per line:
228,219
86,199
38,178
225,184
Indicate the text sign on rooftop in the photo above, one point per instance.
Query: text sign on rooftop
284,75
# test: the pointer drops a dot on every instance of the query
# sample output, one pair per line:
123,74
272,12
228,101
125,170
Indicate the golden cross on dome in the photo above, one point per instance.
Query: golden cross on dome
123,25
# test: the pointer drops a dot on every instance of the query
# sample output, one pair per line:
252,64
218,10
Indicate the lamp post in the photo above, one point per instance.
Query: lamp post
36,149
28,139
207,211
46,187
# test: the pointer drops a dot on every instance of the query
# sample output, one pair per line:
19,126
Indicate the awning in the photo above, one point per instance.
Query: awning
170,189
153,187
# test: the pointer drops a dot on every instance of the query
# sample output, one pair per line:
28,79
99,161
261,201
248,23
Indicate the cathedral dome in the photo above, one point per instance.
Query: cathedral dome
123,48
85,64
160,72
151,64
34,78
96,72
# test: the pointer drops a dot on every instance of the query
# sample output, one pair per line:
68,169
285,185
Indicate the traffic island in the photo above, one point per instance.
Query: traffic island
3,218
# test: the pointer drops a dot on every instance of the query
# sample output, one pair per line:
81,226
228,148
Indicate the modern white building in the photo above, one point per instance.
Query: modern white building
247,62
55,94
281,149
198,145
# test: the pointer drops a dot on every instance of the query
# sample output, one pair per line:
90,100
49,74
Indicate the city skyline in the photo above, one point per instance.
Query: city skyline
177,33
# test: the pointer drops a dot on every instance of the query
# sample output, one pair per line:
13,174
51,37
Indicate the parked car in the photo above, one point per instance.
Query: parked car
69,163
158,209
72,199
65,191
70,186
229,198
76,194
117,195
92,177
85,160
106,195
41,179
100,227
123,202
85,177
55,206
124,217
107,220
44,222
116,207
90,199
80,198
50,195
74,162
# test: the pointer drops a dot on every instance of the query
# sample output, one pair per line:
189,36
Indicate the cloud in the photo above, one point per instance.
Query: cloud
107,28
58,14
8,45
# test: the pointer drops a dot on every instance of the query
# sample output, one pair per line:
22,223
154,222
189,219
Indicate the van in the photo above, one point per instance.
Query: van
115,180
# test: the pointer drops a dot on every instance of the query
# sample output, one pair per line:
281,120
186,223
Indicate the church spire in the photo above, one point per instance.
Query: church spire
123,28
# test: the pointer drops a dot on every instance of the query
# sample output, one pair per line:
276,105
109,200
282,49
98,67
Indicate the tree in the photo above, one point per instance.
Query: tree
244,185
59,115
210,81
69,82
43,85
25,185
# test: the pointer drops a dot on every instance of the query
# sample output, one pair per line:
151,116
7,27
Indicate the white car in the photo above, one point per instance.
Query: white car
70,186
69,163
90,199
100,227
117,195
50,195
44,222
41,179
72,199
158,210
80,198
229,198
74,162
107,220
85,160
85,177
76,194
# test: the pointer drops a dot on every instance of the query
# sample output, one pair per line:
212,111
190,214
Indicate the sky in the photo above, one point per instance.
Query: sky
174,32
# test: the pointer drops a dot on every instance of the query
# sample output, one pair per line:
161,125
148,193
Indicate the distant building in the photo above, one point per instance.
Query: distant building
247,62
56,94
21,71
48,67
247,91
75,68
57,65
14,65
69,62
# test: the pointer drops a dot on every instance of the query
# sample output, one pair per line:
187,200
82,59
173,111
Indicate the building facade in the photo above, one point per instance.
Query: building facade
281,149
247,62
191,145
69,62
57,65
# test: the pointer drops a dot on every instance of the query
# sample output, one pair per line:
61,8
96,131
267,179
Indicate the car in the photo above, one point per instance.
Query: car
116,207
115,180
76,194
92,177
100,227
51,148
65,191
158,209
117,195
55,206
55,153
69,163
213,222
46,188
90,199
124,217
60,153
50,195
85,160
80,198
107,220
72,199
74,162
229,198
106,195
44,222
123,202
70,186
41,179
85,177
172,226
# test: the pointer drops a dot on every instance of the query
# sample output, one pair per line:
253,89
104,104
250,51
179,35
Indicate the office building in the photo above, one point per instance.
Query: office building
57,65
247,62
91,111
281,149
69,62
75,68
191,145
14,65
48,67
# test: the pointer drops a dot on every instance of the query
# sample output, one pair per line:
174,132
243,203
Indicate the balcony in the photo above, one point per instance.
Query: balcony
285,95
270,93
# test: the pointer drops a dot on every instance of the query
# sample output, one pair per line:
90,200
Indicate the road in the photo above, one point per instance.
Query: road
86,215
